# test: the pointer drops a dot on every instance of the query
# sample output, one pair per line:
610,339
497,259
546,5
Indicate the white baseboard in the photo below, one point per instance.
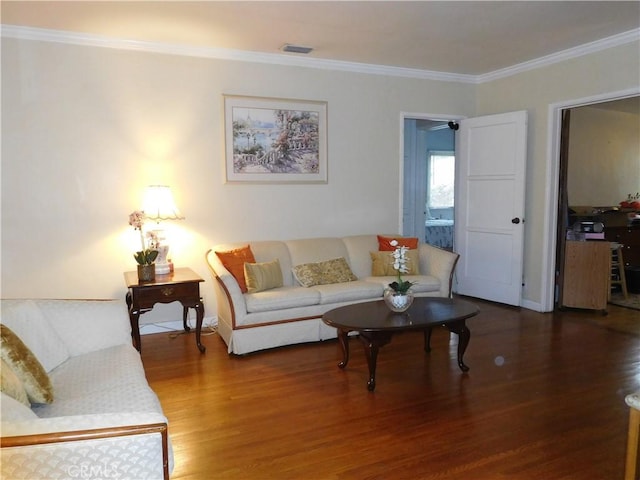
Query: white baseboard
175,325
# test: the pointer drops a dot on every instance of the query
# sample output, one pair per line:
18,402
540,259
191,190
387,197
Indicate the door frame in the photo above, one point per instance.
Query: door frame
554,125
417,116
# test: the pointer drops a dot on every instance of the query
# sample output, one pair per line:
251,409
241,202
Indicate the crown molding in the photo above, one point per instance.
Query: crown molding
84,39
563,55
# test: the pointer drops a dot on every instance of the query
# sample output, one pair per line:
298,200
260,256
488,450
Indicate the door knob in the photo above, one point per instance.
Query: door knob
515,220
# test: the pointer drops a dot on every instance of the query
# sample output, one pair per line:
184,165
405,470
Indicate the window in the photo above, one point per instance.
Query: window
441,168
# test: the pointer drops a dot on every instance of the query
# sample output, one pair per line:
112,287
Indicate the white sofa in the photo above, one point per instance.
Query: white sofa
293,314
104,420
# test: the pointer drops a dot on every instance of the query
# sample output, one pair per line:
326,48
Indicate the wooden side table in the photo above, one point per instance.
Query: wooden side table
182,285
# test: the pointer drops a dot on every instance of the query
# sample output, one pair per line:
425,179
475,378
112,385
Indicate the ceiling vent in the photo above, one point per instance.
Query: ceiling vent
296,49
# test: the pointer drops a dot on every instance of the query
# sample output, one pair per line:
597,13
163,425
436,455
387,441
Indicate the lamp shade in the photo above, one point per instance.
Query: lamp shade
159,204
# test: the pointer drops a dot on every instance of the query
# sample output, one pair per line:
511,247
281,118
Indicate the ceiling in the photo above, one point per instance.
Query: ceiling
466,38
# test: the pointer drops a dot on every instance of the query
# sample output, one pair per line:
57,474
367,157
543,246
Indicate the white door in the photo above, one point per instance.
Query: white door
489,222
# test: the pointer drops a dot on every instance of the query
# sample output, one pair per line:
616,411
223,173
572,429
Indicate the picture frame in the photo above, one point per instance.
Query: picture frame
271,140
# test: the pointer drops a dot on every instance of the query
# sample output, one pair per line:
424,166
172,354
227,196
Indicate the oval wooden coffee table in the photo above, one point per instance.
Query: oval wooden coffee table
375,324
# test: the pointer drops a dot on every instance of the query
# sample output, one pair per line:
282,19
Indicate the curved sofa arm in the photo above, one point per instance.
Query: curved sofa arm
229,299
114,445
438,263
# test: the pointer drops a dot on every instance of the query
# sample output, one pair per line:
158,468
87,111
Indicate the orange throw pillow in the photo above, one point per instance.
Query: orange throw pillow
234,261
384,243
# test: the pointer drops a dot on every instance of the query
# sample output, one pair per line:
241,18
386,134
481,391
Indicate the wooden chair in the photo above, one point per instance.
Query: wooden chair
616,274
631,468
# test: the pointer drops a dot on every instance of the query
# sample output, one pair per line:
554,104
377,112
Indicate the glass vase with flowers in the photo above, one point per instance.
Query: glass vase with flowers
398,294
146,256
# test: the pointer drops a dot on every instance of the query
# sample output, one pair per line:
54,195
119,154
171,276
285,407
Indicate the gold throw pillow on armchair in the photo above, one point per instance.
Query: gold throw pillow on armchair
11,384
26,366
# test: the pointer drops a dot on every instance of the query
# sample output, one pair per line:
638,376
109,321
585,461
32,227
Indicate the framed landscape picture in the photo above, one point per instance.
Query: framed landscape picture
269,140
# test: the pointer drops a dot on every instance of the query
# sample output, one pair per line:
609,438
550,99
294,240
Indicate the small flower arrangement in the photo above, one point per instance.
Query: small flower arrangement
632,202
400,264
146,256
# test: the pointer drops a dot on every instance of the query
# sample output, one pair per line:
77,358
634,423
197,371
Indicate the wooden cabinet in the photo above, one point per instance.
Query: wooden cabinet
586,275
629,237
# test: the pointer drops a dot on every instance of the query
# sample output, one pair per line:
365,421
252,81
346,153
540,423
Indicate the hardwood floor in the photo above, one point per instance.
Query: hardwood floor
544,399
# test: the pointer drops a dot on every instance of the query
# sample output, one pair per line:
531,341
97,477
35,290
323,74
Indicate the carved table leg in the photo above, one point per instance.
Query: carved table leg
199,318
372,342
427,340
134,317
464,335
185,315
343,338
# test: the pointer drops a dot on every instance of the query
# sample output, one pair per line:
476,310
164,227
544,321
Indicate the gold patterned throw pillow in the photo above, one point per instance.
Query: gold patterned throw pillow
11,384
382,263
263,276
323,273
336,271
26,367
307,274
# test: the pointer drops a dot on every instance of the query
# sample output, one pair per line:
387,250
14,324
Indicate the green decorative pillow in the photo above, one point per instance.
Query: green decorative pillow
263,276
26,367
11,384
382,263
324,273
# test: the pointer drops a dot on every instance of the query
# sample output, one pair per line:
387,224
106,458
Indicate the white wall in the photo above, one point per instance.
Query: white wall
612,70
604,156
85,129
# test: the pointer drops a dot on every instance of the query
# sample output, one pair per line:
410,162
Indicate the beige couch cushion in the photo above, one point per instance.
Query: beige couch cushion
12,410
359,247
267,250
28,321
349,292
111,380
88,325
280,298
312,250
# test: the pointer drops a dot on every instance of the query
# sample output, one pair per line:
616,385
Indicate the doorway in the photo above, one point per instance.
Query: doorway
599,166
555,224
429,180
489,197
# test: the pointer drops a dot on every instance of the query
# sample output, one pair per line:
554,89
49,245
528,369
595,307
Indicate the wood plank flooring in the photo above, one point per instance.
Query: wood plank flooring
543,400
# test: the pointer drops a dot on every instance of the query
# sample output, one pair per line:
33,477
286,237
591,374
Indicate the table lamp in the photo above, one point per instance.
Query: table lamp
159,205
